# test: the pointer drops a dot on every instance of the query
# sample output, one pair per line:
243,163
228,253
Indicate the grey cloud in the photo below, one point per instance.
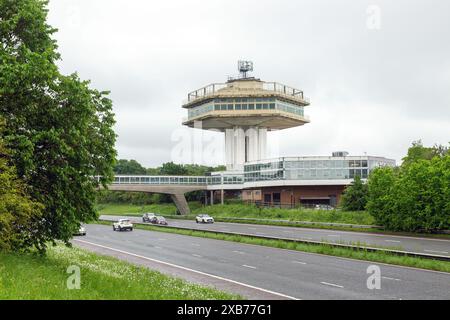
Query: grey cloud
372,91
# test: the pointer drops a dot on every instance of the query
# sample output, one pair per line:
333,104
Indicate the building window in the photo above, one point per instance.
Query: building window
364,173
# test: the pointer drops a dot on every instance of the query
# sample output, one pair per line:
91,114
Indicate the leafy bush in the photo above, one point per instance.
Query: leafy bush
414,197
19,215
354,197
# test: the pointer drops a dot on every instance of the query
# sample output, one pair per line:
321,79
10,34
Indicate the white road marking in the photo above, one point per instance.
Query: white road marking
156,247
260,234
388,278
162,239
331,284
247,266
333,235
392,240
434,251
191,270
299,262
240,252
195,244
252,228
197,255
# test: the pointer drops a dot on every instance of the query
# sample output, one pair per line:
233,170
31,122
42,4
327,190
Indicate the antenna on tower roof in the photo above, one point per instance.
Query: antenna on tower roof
244,67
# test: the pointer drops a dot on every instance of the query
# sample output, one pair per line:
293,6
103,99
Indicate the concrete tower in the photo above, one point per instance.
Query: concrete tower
245,109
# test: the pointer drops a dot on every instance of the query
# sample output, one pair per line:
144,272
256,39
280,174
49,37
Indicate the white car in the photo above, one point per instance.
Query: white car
123,224
81,231
148,217
204,218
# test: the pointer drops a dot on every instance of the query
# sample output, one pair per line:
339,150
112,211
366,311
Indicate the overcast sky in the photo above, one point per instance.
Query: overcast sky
377,72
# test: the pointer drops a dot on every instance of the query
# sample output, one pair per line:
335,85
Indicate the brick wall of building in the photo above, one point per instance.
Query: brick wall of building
301,194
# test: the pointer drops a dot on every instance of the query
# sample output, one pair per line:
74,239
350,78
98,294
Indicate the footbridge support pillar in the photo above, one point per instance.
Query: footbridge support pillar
180,201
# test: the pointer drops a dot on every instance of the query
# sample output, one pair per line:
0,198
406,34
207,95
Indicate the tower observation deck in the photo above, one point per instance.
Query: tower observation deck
245,109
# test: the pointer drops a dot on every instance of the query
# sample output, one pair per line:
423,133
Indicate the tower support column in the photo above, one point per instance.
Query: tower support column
262,143
244,145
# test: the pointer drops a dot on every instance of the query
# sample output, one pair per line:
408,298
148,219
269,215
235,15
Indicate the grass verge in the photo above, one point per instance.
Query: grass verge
30,276
362,254
246,211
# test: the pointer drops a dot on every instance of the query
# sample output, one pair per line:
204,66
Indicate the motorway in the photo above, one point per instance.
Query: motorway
259,272
430,246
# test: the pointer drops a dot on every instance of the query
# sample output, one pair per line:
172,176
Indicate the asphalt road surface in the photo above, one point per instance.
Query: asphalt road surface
431,246
263,272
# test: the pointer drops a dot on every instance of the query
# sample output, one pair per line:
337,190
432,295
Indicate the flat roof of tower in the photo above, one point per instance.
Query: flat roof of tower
245,87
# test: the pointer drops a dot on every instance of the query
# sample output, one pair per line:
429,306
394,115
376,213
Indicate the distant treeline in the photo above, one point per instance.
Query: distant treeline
124,166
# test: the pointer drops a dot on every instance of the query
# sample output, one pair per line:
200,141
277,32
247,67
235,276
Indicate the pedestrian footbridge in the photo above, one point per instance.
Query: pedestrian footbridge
177,186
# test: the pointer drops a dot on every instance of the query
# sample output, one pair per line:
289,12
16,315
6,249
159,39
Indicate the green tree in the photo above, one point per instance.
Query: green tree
354,197
59,130
413,198
418,152
170,168
19,215
420,197
381,184
124,166
201,170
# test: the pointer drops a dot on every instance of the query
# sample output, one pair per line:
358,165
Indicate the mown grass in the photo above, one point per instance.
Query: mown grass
246,211
361,254
30,276
130,209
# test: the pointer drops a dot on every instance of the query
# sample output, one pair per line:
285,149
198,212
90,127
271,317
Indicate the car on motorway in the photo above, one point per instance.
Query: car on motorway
204,218
323,207
123,224
147,217
81,231
159,220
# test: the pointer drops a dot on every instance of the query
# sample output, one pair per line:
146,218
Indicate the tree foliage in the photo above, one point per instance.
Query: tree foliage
355,195
132,167
413,197
19,215
418,152
124,166
58,128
